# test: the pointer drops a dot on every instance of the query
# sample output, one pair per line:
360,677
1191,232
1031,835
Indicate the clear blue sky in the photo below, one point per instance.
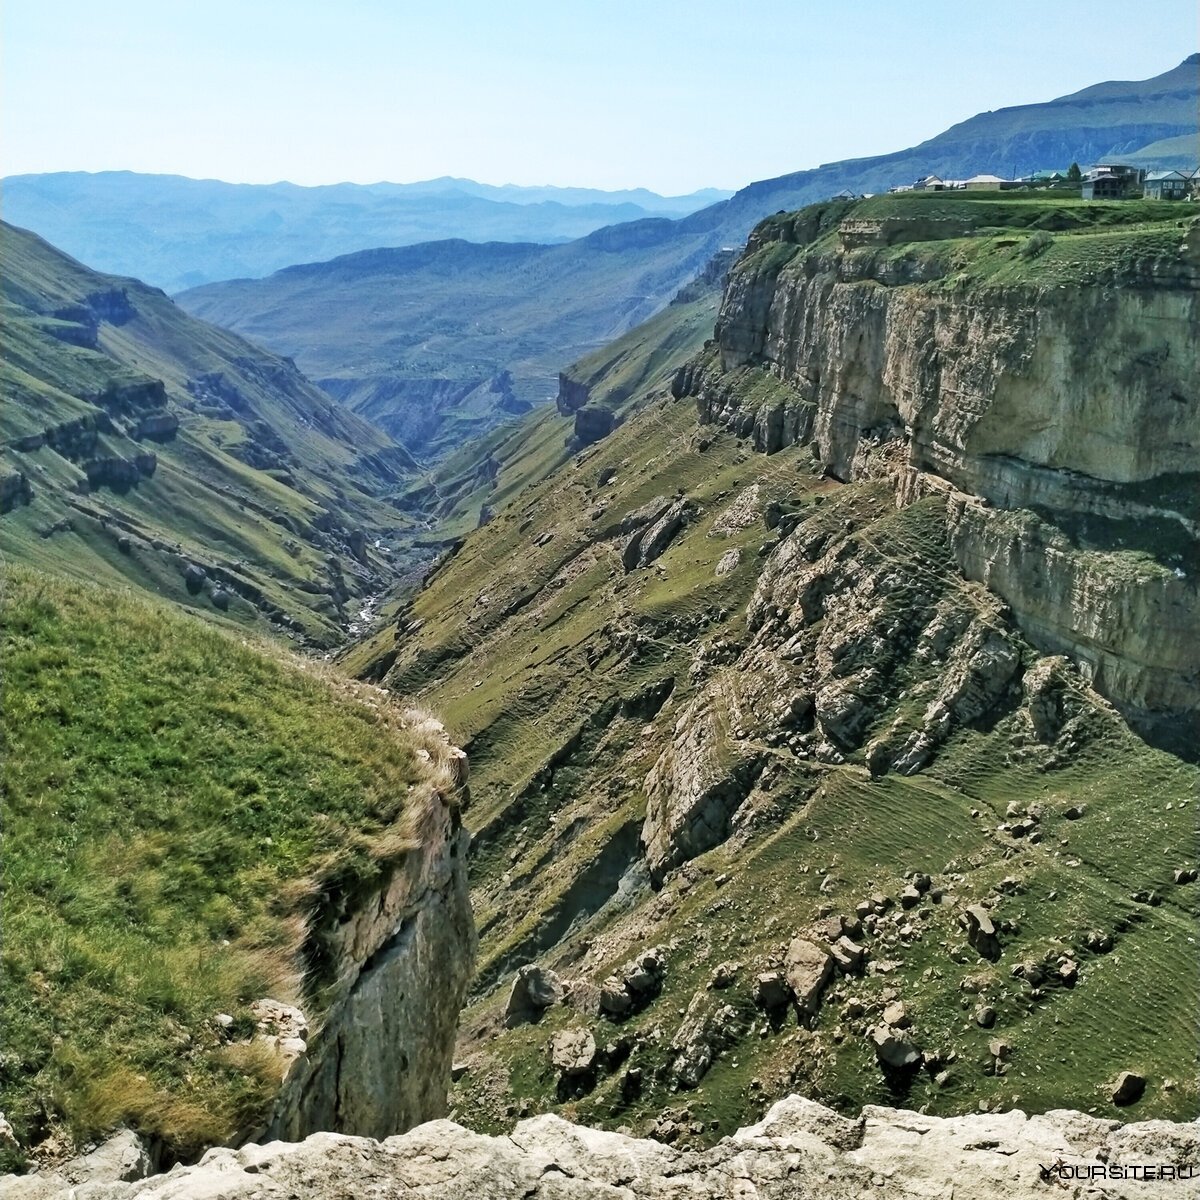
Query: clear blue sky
668,94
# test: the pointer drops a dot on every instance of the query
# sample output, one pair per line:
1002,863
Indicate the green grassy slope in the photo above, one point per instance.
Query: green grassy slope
963,238
1180,153
149,440
538,655
569,679
176,804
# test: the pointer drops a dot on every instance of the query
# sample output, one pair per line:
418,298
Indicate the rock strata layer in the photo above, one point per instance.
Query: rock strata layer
1060,418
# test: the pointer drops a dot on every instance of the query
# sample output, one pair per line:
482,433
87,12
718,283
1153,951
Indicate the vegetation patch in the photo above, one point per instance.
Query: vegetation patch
179,805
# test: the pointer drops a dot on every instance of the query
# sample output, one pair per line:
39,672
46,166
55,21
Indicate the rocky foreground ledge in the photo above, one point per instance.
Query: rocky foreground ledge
799,1151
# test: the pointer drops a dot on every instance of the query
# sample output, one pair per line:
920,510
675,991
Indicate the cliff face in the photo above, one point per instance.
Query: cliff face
1064,392
402,958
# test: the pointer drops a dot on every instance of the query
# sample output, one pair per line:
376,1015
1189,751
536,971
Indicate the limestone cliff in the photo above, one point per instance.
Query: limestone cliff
800,1148
1051,376
401,959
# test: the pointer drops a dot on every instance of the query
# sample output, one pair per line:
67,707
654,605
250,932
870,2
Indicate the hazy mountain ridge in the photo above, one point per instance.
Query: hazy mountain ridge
177,232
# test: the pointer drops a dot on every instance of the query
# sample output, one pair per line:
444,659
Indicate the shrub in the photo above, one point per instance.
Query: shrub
1037,244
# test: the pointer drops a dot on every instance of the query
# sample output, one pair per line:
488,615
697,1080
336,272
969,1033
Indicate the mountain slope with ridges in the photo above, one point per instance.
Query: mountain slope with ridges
780,795
142,445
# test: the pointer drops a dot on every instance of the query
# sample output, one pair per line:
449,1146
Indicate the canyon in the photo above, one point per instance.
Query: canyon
849,669
825,660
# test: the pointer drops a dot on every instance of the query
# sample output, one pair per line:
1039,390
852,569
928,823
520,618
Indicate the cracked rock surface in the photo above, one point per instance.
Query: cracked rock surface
800,1149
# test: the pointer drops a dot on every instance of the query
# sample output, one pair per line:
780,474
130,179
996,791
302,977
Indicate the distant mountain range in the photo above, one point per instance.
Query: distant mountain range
401,334
176,232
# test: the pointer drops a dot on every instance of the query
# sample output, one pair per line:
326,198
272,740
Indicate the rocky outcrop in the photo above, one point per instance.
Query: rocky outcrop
131,397
592,422
119,474
158,427
699,781
15,489
711,277
709,1027
111,304
74,439
799,1148
1131,626
401,960
892,367
572,395
652,538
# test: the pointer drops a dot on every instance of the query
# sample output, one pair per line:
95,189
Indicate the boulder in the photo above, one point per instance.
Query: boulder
703,1035
848,955
770,990
981,932
278,1019
615,1001
122,1158
534,990
724,975
8,1138
807,969
894,1052
728,562
652,539
592,422
573,1052
1128,1088
634,984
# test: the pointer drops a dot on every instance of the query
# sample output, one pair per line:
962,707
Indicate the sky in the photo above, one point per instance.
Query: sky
673,95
